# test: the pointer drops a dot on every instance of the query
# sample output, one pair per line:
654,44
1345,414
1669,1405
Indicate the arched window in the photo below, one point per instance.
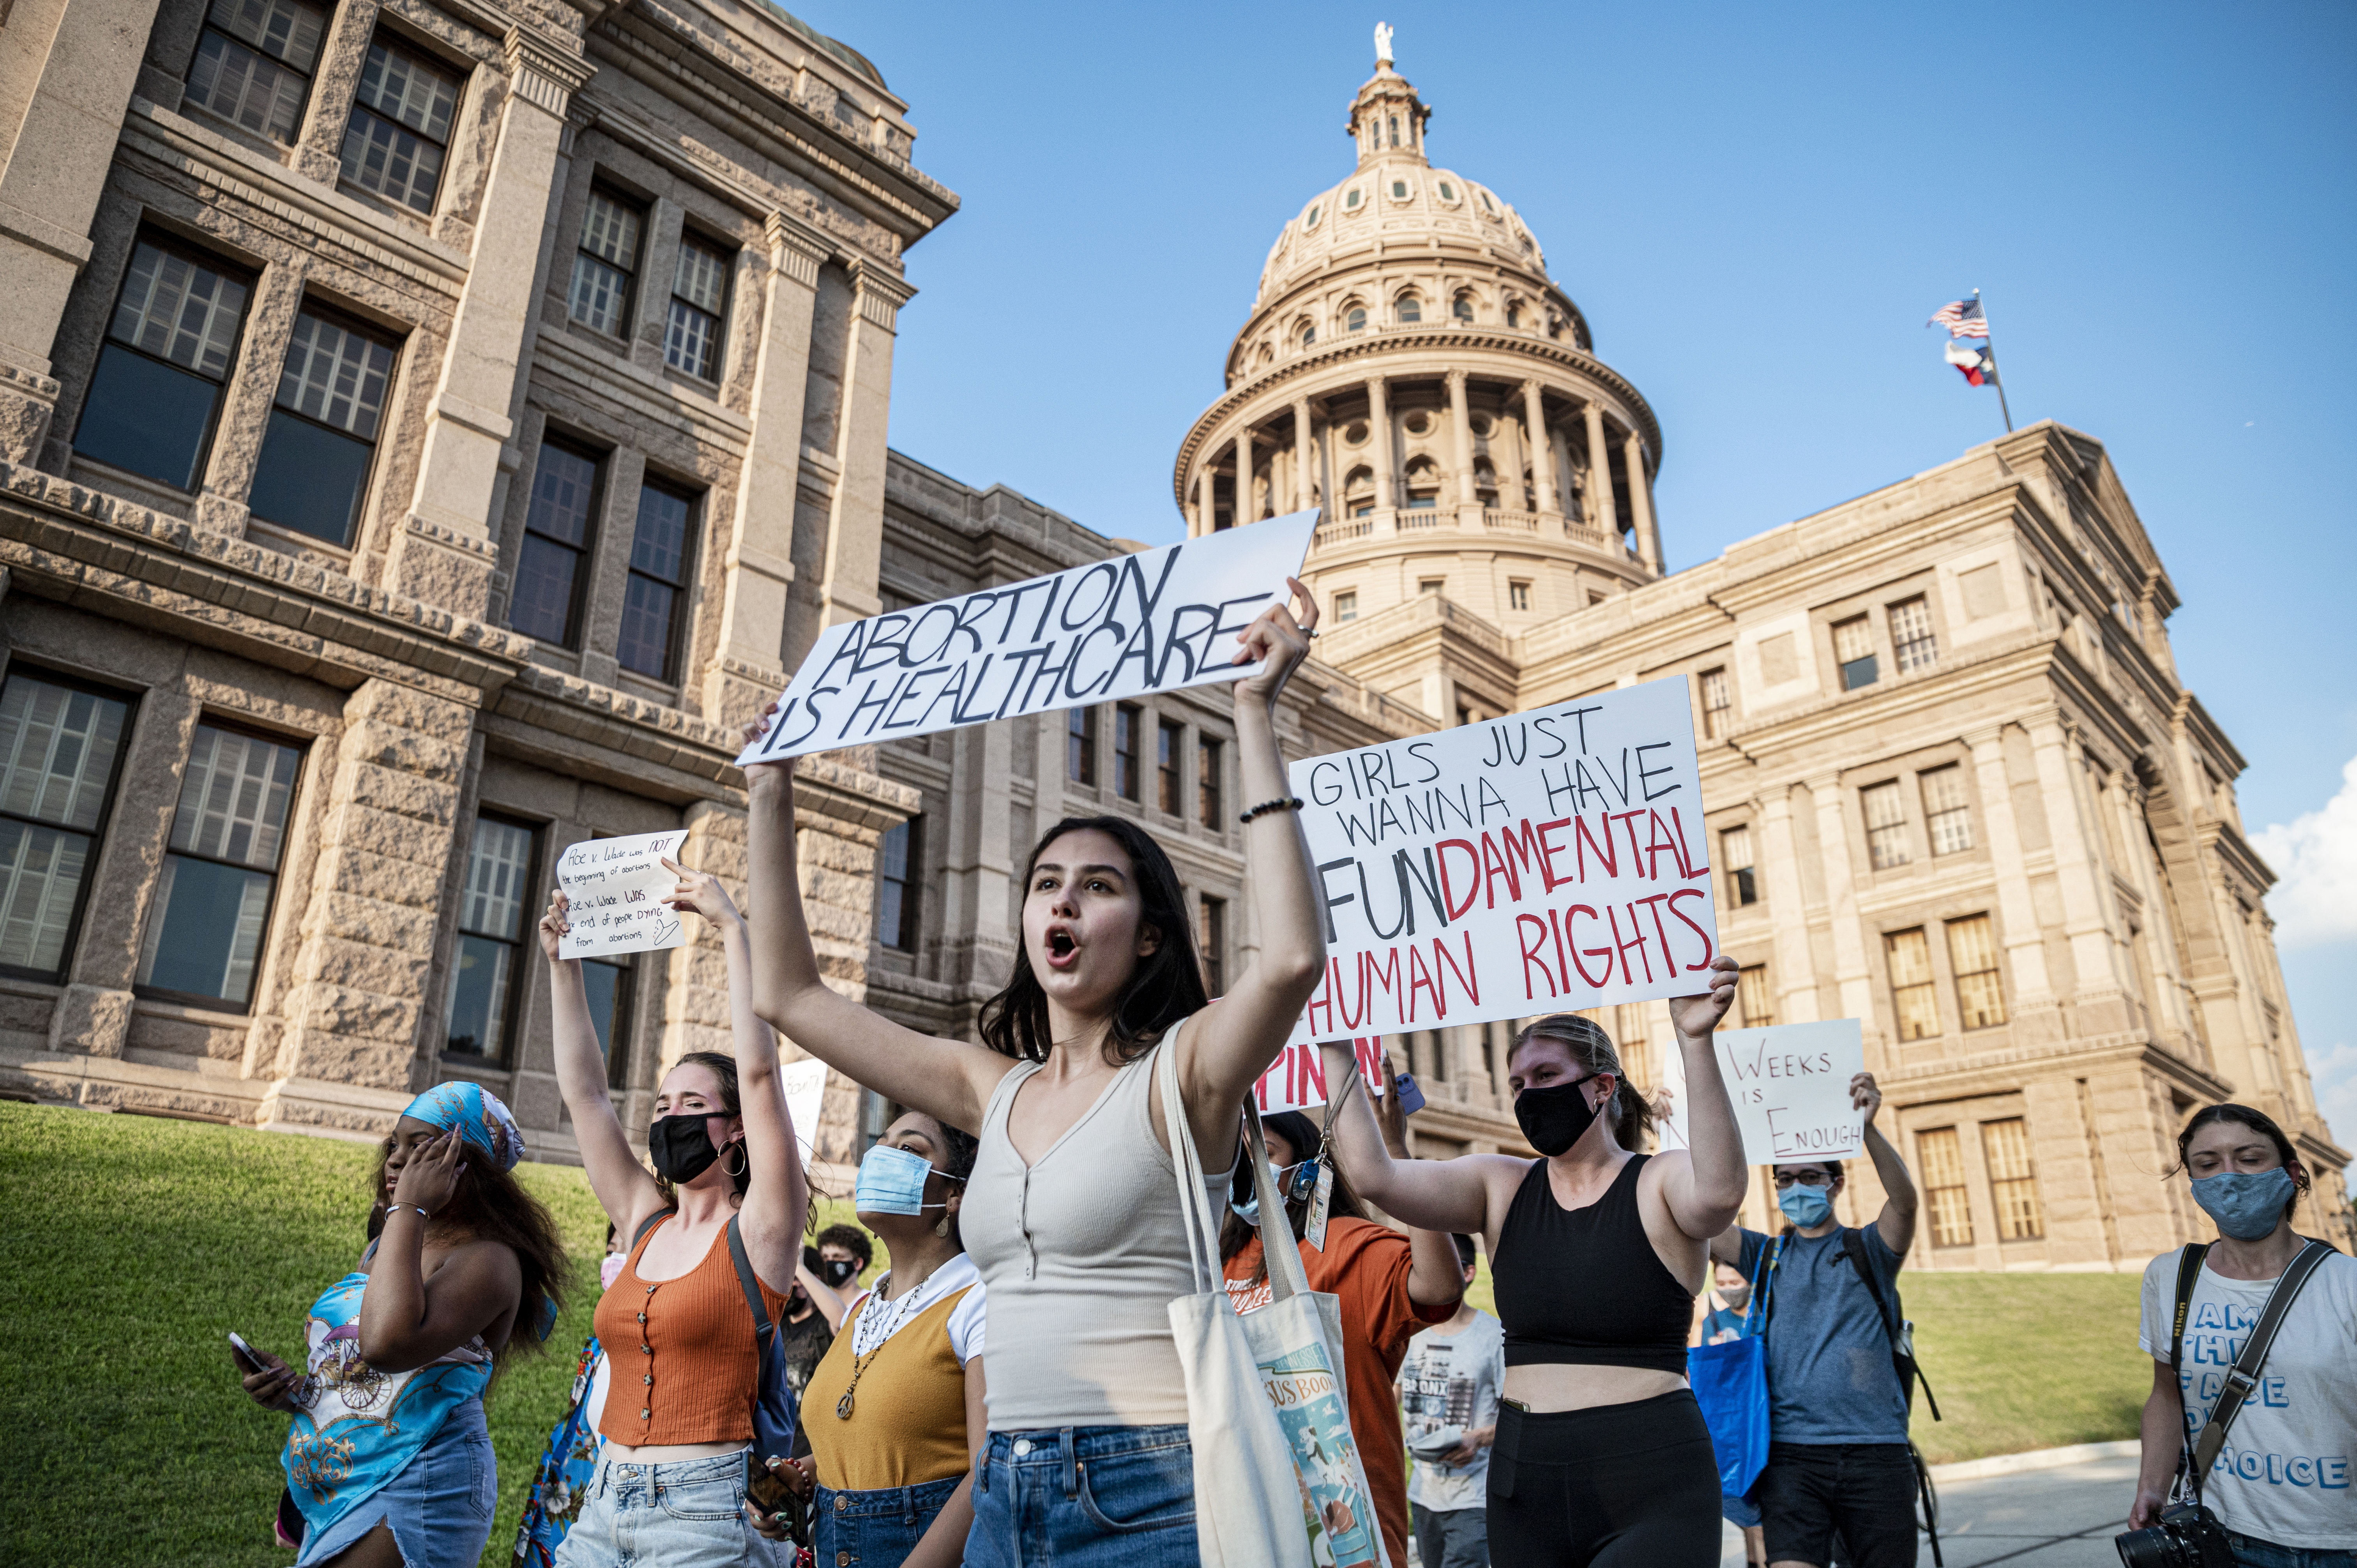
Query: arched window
1409,308
1308,334
1514,314
1423,485
1357,318
1359,491
1463,308
1395,130
1485,482
1265,358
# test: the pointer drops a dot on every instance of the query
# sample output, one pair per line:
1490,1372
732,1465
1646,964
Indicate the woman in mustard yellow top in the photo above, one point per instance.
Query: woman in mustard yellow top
895,1411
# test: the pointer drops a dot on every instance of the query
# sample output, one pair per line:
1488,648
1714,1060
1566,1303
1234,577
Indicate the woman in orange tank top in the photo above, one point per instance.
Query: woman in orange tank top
670,1481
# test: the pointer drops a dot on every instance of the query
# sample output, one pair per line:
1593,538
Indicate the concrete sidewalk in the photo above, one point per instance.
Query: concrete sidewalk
2061,1516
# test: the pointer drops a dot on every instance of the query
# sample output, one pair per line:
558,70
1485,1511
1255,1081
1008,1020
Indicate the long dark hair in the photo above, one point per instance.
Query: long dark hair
1164,987
2257,1121
1629,1116
492,1206
724,1067
1237,1233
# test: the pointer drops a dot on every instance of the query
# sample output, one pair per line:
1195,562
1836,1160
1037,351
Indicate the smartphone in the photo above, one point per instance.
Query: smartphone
247,1356
1411,1097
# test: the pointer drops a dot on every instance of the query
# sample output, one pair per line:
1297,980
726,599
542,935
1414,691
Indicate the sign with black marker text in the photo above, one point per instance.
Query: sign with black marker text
1790,1083
1158,621
614,896
1534,863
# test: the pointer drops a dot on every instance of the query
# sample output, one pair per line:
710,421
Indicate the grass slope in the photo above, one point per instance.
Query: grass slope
130,1246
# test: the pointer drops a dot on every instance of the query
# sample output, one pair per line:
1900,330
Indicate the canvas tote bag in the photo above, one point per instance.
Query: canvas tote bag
1277,1477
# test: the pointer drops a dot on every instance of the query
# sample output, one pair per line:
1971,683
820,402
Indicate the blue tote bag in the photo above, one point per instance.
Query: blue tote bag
1731,1383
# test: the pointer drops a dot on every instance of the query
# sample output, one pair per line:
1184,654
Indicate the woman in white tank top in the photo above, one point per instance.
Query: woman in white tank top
1072,1213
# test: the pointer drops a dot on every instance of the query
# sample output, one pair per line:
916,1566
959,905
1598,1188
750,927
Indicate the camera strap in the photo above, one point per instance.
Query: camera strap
2244,1375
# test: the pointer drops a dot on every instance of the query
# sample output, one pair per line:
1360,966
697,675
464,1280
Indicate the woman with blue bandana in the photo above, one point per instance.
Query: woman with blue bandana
2281,1486
388,1459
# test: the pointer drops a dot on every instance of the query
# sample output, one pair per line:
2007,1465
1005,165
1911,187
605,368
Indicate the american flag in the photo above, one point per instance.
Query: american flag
1962,318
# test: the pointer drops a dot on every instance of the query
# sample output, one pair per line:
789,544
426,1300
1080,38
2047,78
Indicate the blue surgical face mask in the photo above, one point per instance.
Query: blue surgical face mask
2247,1205
1248,1207
892,1181
1806,1207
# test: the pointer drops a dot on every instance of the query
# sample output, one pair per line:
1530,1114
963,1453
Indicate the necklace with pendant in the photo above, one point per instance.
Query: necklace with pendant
859,1364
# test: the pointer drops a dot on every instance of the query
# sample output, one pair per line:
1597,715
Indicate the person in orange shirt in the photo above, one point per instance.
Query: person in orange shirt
1392,1284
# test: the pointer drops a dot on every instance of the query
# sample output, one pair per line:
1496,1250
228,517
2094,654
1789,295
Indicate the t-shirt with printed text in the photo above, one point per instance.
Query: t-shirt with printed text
1452,1379
2284,1473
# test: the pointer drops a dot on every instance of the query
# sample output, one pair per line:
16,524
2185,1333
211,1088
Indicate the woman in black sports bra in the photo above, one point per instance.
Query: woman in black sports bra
1602,1460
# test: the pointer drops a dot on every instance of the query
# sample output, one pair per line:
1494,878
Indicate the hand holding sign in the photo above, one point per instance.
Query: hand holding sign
1801,1090
621,896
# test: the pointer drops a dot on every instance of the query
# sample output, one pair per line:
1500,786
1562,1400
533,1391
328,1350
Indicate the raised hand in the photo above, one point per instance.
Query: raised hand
1277,636
429,1178
1695,1017
701,892
1865,1095
553,924
765,772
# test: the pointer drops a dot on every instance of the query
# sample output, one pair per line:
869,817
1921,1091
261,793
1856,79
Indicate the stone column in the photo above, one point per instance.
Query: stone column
1535,437
1641,504
1603,512
855,521
1245,510
1379,431
2078,870
1794,977
1841,899
978,861
1305,459
1461,430
2032,1004
1206,503
757,559
446,553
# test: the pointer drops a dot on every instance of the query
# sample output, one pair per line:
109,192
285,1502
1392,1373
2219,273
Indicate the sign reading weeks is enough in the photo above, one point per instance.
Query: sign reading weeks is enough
613,895
1535,864
1156,621
1790,1083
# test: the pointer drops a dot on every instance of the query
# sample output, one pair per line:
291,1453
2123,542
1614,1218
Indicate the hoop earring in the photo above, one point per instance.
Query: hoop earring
743,1163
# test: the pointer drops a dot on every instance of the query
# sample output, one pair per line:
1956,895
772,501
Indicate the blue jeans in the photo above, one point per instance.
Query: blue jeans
652,1516
2250,1551
875,1529
1085,1496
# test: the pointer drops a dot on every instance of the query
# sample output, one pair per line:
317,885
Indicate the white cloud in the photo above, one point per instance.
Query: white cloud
2315,856
2333,1072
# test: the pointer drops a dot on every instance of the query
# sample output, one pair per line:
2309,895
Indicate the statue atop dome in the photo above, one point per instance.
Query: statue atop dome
1383,43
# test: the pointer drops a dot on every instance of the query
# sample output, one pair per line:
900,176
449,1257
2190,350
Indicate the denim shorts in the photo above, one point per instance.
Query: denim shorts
654,1516
875,1529
2250,1551
438,1507
1085,1496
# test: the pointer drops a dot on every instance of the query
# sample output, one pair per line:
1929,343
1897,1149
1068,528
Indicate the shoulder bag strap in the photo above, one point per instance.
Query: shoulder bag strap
762,1326
648,1224
1187,1162
1286,1277
1902,1354
2188,1270
2245,1374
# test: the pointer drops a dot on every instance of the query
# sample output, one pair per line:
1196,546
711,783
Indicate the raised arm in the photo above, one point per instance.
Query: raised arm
1428,1194
770,1219
624,1189
1703,1184
1435,1277
409,1319
1230,1043
1897,1221
947,1080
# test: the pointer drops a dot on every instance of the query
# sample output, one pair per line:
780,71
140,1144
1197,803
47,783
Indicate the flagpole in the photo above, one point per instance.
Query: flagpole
2002,406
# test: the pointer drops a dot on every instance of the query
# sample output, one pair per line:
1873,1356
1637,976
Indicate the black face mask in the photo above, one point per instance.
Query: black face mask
837,1271
1554,1118
682,1148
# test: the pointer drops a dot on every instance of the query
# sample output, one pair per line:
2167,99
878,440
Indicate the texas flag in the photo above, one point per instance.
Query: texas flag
1977,364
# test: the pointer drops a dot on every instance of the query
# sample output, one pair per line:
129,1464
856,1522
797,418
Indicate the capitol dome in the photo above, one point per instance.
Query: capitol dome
1410,370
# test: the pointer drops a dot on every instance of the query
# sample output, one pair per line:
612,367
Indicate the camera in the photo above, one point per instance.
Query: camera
2188,1536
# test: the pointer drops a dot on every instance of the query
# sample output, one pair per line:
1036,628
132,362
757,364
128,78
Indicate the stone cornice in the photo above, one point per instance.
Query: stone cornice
544,72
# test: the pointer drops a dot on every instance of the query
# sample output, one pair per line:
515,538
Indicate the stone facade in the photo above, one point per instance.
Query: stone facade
1956,788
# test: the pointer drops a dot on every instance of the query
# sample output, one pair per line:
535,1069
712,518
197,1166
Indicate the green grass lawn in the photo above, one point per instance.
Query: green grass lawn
130,1246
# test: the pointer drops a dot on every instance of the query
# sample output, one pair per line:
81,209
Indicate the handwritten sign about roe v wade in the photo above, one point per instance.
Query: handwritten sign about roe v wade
1790,1083
613,892
1534,863
1157,621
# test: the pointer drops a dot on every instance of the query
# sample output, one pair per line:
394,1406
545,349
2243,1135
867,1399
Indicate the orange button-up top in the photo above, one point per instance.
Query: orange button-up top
681,1352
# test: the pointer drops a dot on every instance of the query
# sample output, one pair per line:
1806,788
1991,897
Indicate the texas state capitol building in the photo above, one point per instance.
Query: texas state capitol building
427,431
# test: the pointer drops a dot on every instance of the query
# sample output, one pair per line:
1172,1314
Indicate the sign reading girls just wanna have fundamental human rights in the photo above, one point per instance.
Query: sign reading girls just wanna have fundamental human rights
1157,621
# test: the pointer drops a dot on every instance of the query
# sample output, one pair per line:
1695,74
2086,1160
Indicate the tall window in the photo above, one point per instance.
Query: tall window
556,544
1854,651
1717,704
1913,995
1886,825
1210,756
1752,996
1463,308
1911,635
1080,746
1409,310
1735,854
2012,1181
659,552
1214,943
1945,812
608,983
253,63
896,886
1972,955
699,300
212,903
491,928
1170,749
314,468
400,131
60,749
1356,321
1346,604
1518,596
1126,721
1942,1160
169,348
607,262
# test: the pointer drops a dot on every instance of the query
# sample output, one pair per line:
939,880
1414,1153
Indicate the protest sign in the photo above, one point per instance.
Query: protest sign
805,1084
1297,1081
1790,1083
1157,621
613,891
1540,863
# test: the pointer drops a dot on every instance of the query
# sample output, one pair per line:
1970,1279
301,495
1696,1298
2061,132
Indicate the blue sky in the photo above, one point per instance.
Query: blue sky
1755,207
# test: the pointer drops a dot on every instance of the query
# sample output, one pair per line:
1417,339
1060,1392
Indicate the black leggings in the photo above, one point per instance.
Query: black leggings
1619,1485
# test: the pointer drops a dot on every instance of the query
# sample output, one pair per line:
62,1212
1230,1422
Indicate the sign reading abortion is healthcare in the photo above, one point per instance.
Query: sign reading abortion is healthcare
1157,621
1535,864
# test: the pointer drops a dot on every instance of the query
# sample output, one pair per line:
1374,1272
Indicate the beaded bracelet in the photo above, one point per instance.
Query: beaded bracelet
1289,803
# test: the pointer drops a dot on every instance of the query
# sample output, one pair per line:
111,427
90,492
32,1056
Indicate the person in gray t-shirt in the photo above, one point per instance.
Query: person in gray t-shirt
1448,1385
